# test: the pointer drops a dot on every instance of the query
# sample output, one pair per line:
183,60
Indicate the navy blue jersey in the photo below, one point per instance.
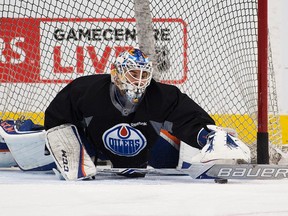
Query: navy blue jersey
125,138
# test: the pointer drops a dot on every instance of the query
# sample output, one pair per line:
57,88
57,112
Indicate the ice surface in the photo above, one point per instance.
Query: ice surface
29,194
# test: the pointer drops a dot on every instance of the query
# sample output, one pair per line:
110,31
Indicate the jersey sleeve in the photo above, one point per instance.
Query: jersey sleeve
63,108
188,119
184,115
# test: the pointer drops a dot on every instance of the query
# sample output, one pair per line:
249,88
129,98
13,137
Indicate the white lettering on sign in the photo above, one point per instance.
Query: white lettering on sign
71,49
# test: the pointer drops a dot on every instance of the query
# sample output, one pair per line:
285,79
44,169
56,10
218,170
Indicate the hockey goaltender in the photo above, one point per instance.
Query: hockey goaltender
125,117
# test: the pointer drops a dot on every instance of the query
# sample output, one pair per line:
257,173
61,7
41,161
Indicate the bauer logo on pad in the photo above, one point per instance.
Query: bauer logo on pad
124,140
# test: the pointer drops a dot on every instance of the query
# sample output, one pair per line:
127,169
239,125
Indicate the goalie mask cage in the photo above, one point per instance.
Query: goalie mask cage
206,48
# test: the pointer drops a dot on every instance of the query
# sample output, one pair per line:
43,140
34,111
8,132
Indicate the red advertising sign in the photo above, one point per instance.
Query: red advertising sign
19,50
59,50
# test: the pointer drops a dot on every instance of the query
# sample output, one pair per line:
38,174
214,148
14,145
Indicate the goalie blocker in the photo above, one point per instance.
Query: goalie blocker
68,151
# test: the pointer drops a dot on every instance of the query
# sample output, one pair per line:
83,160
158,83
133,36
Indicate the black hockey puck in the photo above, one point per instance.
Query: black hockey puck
221,181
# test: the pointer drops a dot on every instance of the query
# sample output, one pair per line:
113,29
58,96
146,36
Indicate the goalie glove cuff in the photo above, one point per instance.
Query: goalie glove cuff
211,129
202,137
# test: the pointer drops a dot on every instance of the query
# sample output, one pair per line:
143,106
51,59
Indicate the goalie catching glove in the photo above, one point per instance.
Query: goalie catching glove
70,156
221,144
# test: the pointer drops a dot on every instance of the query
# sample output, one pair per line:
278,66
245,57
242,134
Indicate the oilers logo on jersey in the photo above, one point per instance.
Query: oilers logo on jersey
124,140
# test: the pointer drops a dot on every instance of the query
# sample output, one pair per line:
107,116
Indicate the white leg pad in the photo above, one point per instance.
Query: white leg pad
6,158
27,148
70,156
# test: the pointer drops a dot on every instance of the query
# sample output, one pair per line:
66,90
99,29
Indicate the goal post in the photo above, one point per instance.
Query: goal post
211,50
262,133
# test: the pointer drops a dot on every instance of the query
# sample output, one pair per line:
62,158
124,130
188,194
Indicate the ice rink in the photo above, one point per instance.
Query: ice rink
31,194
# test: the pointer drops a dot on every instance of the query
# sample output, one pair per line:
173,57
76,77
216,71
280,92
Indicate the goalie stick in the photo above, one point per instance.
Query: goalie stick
205,171
211,171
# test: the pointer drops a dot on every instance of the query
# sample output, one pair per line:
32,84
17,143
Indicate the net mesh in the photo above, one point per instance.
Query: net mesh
206,48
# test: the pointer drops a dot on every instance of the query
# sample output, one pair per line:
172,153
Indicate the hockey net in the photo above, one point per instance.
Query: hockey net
206,48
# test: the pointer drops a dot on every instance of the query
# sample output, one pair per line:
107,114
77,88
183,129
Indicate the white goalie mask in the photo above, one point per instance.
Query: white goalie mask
132,73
